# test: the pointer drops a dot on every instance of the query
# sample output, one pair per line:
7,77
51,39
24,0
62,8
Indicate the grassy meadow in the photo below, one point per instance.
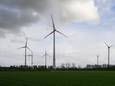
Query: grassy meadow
55,78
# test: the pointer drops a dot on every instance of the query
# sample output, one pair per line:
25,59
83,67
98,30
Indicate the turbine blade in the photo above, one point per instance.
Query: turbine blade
61,33
53,22
48,34
52,19
21,47
29,49
106,44
48,55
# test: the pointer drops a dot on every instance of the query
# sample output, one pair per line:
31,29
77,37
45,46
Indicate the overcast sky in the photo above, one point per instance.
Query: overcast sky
87,23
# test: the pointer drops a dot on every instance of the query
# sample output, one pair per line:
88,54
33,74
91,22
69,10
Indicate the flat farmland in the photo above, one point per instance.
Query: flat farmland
57,78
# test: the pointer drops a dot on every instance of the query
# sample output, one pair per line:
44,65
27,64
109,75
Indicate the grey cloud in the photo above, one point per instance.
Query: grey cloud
39,5
17,13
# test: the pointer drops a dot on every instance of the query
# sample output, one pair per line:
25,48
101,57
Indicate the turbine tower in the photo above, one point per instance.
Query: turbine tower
54,35
31,55
45,55
25,47
108,46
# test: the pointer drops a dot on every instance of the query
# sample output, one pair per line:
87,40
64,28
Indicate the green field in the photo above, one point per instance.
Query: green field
57,78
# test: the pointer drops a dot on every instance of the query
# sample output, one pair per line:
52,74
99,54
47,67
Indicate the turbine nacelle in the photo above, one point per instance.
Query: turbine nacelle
54,32
54,29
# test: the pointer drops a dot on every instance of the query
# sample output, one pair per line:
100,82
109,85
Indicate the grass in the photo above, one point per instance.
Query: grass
69,78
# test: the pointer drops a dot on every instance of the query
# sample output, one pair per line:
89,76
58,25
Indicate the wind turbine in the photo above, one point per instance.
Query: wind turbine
108,46
45,55
25,47
54,35
31,55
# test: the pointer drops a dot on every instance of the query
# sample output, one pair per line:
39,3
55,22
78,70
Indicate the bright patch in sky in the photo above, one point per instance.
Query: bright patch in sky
79,10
